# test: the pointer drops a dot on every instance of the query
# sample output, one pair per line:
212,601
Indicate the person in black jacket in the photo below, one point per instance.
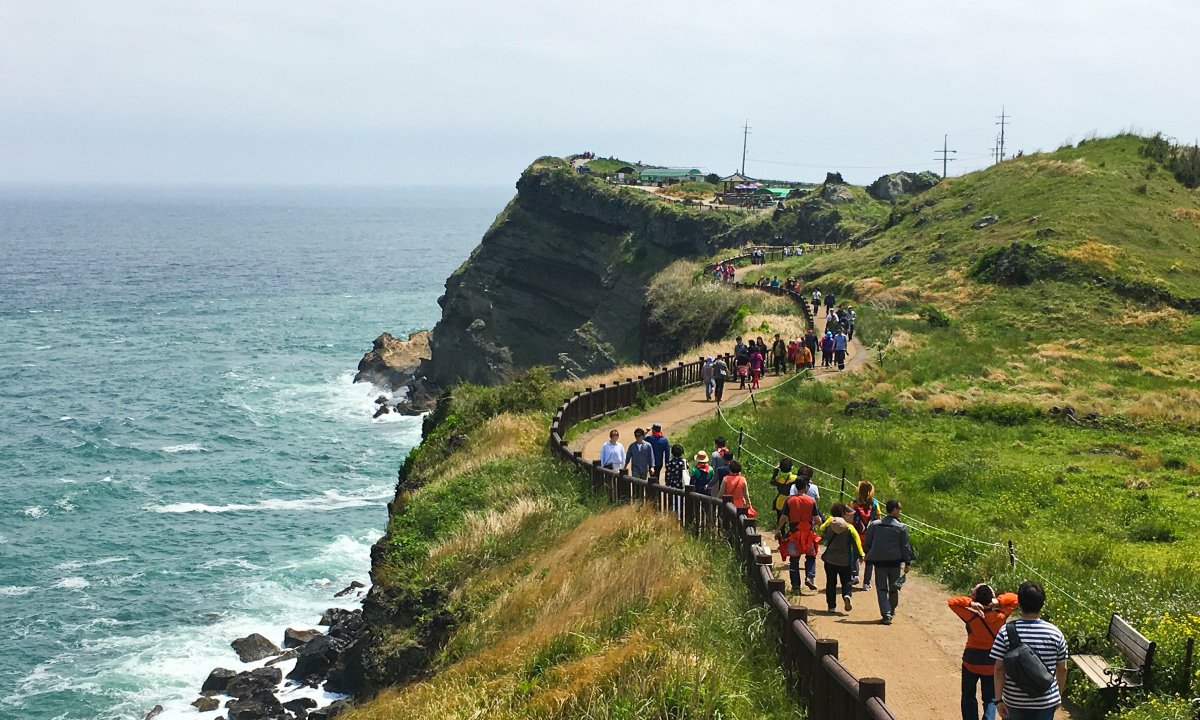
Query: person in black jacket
888,547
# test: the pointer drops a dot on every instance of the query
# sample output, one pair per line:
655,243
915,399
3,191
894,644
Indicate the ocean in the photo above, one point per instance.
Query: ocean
183,457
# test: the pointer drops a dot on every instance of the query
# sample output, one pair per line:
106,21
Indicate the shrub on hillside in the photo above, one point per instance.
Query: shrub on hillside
934,316
1183,161
1004,413
1017,264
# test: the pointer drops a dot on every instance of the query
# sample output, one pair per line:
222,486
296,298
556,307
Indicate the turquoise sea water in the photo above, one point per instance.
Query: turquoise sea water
183,458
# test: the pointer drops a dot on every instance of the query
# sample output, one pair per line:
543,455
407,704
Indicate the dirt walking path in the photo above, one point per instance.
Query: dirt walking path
919,655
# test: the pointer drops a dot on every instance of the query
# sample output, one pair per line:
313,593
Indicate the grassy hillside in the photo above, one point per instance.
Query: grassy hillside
512,592
980,349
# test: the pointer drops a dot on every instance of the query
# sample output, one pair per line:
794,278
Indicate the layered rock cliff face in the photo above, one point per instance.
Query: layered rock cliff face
560,278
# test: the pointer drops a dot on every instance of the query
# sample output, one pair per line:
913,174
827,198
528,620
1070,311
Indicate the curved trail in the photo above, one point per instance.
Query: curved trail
919,655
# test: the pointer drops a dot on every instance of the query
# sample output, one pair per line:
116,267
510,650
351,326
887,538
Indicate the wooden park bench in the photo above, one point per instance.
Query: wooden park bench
1133,646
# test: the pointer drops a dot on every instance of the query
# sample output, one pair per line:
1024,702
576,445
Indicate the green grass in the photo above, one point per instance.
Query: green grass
607,166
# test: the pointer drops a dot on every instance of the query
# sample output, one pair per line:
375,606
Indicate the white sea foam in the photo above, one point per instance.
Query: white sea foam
3,539
72,583
65,418
35,511
186,448
16,590
77,564
329,500
65,504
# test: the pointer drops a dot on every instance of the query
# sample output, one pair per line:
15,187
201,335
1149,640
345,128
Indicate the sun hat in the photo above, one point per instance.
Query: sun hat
702,457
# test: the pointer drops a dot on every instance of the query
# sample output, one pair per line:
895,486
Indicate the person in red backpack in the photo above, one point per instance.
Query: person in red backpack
983,613
799,515
866,511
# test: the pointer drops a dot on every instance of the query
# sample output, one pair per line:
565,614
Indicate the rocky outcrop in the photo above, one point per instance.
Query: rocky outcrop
254,647
391,362
890,187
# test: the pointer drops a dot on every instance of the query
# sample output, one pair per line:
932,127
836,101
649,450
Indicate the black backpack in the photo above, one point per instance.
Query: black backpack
1024,667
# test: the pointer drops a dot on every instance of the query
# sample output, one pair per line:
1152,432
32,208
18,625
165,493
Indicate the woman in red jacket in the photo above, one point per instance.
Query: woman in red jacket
983,614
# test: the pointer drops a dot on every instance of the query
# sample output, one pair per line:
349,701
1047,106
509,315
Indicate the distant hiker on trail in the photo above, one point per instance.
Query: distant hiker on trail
707,375
703,475
813,343
816,300
757,365
830,301
784,481
804,356
840,341
639,456
984,614
662,448
779,350
720,375
851,317
843,551
612,453
775,281
1048,645
734,485
866,511
804,484
888,547
827,349
721,473
800,512
673,476
721,454
793,348
740,349
743,370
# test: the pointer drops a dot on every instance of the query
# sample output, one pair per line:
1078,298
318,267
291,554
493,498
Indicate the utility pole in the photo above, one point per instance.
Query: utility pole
995,150
1002,120
745,134
945,151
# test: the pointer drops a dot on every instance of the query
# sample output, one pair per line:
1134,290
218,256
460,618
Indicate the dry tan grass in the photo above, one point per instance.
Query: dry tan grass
903,340
497,523
1166,318
504,435
1049,352
789,326
1058,168
1095,253
874,291
1180,403
945,401
1125,362
1191,215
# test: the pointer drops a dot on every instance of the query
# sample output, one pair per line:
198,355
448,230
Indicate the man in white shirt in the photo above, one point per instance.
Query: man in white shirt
612,453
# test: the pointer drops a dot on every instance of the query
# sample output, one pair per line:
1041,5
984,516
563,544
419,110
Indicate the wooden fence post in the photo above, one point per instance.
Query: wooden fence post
819,708
870,687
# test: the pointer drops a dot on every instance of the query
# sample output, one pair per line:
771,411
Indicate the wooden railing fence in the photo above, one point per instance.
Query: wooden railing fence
830,690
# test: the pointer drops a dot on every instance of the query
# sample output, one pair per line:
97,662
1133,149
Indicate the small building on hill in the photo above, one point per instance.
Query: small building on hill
669,176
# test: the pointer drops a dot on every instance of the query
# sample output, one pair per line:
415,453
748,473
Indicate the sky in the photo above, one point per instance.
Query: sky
365,92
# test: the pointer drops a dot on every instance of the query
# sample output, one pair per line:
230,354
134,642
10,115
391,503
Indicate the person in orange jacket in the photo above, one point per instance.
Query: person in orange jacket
983,614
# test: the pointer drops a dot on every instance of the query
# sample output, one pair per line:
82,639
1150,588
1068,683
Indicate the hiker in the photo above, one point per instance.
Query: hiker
734,485
779,354
720,375
739,348
827,349
639,456
721,473
662,448
840,342
804,356
813,344
707,375
784,481
799,514
851,316
676,468
866,511
743,369
721,455
830,301
843,551
1048,646
793,353
984,613
757,365
816,300
703,475
888,547
775,281
612,453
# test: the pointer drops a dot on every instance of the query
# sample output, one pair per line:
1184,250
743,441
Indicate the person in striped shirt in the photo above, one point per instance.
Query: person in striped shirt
1047,642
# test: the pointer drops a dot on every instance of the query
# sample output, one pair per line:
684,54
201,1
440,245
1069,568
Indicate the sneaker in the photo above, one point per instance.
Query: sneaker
810,584
867,585
833,608
846,602
887,619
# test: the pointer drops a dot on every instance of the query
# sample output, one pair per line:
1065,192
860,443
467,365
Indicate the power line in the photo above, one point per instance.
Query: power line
1002,121
945,154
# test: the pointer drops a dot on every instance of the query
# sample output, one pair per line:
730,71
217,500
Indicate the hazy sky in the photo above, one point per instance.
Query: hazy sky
366,92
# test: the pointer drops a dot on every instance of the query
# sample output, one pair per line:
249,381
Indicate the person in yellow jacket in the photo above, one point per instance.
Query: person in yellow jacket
843,550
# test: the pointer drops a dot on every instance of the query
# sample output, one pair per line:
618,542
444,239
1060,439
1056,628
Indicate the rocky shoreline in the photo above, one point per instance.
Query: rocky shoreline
398,365
305,678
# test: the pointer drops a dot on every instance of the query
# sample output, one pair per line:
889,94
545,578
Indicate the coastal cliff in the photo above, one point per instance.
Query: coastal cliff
560,278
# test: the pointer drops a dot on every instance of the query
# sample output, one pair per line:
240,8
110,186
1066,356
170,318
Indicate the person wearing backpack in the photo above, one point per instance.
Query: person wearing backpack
866,511
888,547
1031,661
983,614
720,375
707,376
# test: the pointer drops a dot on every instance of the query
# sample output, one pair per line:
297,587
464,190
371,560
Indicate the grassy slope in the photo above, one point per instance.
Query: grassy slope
566,607
1107,509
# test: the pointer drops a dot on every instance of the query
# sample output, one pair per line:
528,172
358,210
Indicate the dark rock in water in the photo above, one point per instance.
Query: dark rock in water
332,615
247,683
303,703
346,625
217,680
259,706
328,712
295,638
283,657
391,362
382,410
254,647
984,221
154,712
315,658
206,704
354,585
382,399
210,618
